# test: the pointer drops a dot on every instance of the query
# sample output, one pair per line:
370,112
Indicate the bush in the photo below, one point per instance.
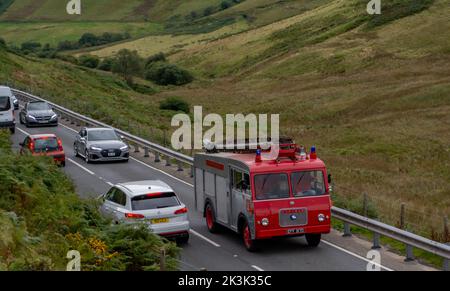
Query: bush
2,43
67,58
159,57
208,10
167,74
88,61
106,64
174,104
225,5
68,45
30,47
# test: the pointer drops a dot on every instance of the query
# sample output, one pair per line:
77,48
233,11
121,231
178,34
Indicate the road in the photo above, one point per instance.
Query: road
215,252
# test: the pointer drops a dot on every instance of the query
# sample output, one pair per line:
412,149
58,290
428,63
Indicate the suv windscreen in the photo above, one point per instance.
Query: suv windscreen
271,186
45,144
308,183
38,106
154,201
101,135
5,103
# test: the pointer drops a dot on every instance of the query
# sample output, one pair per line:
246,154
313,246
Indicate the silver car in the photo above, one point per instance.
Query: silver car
151,202
100,144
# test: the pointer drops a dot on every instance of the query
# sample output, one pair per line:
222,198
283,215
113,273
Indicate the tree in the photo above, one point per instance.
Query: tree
127,64
88,39
167,74
30,46
106,64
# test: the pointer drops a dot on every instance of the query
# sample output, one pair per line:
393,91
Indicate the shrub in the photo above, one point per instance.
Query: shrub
159,57
225,5
174,104
88,61
106,64
30,46
67,58
167,74
2,43
208,11
68,45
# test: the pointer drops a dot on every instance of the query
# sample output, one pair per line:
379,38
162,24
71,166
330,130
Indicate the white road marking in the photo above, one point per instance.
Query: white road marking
65,126
257,268
81,167
355,255
22,131
205,238
216,244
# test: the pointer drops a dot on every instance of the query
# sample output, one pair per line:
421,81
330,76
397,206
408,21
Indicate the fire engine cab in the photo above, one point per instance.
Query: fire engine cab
264,198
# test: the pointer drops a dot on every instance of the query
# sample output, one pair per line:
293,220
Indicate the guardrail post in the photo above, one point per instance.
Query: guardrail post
365,204
157,159
192,172
146,152
409,253
376,241
180,167
347,231
72,121
445,265
162,260
402,216
168,161
136,148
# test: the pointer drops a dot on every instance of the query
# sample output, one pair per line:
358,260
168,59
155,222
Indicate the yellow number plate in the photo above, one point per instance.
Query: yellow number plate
159,220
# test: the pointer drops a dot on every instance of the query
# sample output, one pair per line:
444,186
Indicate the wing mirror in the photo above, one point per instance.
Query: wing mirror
21,144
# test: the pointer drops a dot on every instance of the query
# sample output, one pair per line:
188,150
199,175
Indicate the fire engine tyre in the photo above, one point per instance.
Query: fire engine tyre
249,243
211,219
12,130
313,239
183,240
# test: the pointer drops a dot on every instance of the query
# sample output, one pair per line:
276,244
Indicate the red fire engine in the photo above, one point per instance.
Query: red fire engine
259,198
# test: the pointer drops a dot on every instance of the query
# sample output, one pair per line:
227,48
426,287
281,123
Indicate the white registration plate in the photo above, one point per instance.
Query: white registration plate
111,154
296,231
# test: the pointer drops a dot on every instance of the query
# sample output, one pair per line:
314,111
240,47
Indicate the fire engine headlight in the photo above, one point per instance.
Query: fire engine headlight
265,222
321,217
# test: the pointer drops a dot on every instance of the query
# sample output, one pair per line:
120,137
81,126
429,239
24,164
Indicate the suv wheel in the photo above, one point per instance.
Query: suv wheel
86,157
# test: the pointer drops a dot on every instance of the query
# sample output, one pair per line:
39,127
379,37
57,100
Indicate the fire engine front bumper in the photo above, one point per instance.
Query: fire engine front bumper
263,233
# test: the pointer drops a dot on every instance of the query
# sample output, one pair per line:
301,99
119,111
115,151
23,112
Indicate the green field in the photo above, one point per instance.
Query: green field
371,92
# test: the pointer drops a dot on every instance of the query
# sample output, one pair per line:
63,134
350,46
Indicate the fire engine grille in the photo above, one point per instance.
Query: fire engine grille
293,217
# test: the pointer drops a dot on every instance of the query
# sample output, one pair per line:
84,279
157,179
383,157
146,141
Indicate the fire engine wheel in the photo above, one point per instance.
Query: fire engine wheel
249,243
313,239
210,219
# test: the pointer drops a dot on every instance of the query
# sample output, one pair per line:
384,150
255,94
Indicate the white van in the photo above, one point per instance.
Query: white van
7,119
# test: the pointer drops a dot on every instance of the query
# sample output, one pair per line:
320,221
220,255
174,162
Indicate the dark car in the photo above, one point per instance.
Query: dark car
38,113
100,145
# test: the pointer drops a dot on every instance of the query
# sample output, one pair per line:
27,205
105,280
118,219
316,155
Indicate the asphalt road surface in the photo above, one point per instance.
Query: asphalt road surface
214,252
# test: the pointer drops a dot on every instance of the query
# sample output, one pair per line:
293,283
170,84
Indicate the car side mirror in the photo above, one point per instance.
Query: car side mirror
21,144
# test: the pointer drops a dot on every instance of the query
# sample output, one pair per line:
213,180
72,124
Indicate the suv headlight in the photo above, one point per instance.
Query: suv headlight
31,117
124,148
54,116
95,148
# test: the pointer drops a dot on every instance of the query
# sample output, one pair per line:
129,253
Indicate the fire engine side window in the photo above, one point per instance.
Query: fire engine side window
271,186
237,180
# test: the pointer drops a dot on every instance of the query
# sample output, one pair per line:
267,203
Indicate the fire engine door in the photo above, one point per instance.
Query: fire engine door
223,199
240,185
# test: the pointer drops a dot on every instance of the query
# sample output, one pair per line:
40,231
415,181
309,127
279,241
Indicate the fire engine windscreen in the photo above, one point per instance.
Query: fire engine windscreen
307,183
271,186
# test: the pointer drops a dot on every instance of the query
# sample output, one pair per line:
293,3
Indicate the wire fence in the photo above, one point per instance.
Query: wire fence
422,221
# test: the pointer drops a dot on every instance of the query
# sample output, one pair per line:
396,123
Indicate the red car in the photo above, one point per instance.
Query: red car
44,145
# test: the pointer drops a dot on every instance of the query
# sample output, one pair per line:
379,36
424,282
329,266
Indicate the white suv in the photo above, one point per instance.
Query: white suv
7,119
151,202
